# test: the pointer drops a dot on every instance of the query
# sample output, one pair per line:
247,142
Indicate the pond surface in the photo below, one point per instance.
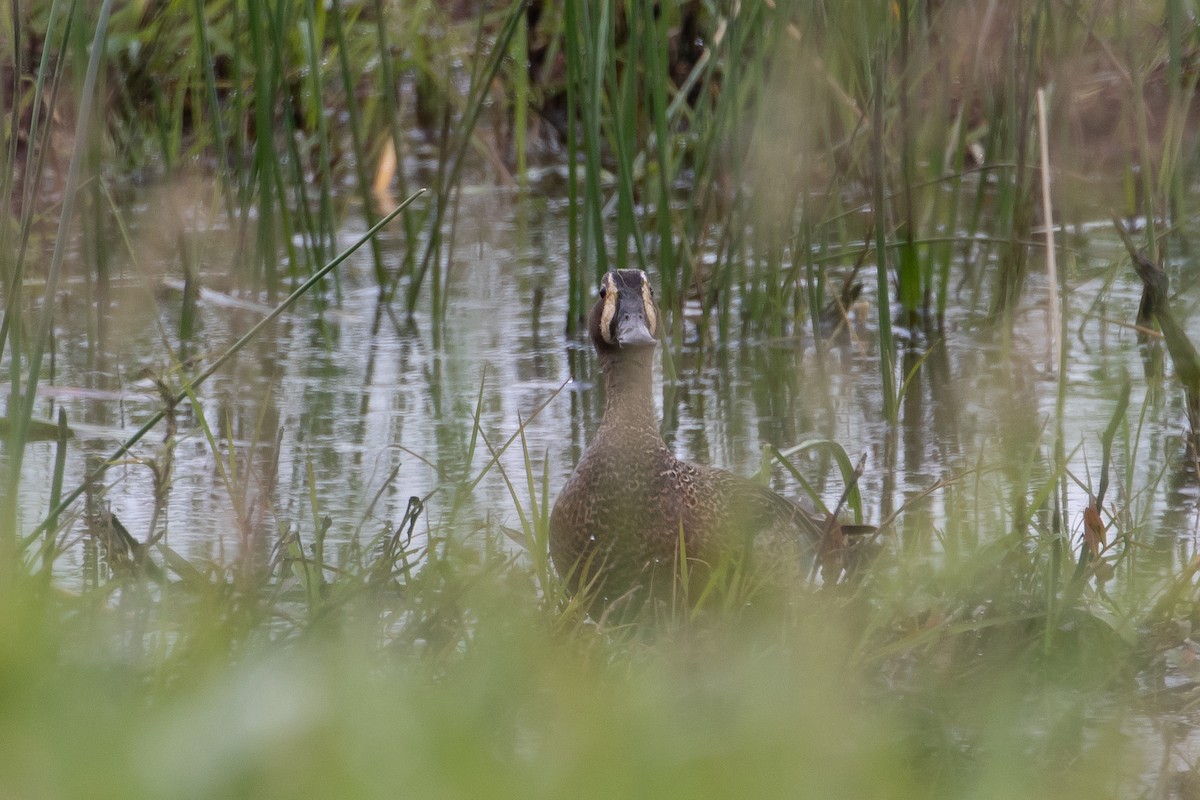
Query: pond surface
328,405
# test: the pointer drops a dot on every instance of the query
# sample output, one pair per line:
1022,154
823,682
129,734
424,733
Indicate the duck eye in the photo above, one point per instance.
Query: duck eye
603,291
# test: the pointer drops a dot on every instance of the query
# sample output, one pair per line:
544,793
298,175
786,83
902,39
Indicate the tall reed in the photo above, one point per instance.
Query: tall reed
484,72
24,394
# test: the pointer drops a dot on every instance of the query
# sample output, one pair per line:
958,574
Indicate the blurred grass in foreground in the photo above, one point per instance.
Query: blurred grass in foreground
205,692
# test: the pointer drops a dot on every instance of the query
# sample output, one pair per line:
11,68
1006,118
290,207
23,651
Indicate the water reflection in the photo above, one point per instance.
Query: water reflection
313,418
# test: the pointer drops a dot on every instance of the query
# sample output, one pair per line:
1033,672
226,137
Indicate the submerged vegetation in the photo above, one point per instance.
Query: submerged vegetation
757,159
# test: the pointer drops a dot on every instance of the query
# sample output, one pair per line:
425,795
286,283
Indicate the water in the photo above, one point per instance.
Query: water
328,406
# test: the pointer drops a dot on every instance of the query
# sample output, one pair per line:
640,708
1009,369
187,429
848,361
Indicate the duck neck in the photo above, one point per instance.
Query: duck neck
629,390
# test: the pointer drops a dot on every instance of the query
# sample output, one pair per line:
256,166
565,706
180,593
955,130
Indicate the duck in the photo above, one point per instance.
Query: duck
633,520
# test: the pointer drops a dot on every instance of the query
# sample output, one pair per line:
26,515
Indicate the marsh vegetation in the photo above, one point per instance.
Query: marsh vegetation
314,562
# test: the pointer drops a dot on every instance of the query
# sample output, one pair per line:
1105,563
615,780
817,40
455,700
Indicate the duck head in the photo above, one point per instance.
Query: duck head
625,317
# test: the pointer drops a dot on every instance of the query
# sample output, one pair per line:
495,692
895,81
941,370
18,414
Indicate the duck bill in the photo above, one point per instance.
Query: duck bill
632,332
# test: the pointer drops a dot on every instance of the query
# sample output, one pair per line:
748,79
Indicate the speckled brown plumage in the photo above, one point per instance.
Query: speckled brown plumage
618,523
